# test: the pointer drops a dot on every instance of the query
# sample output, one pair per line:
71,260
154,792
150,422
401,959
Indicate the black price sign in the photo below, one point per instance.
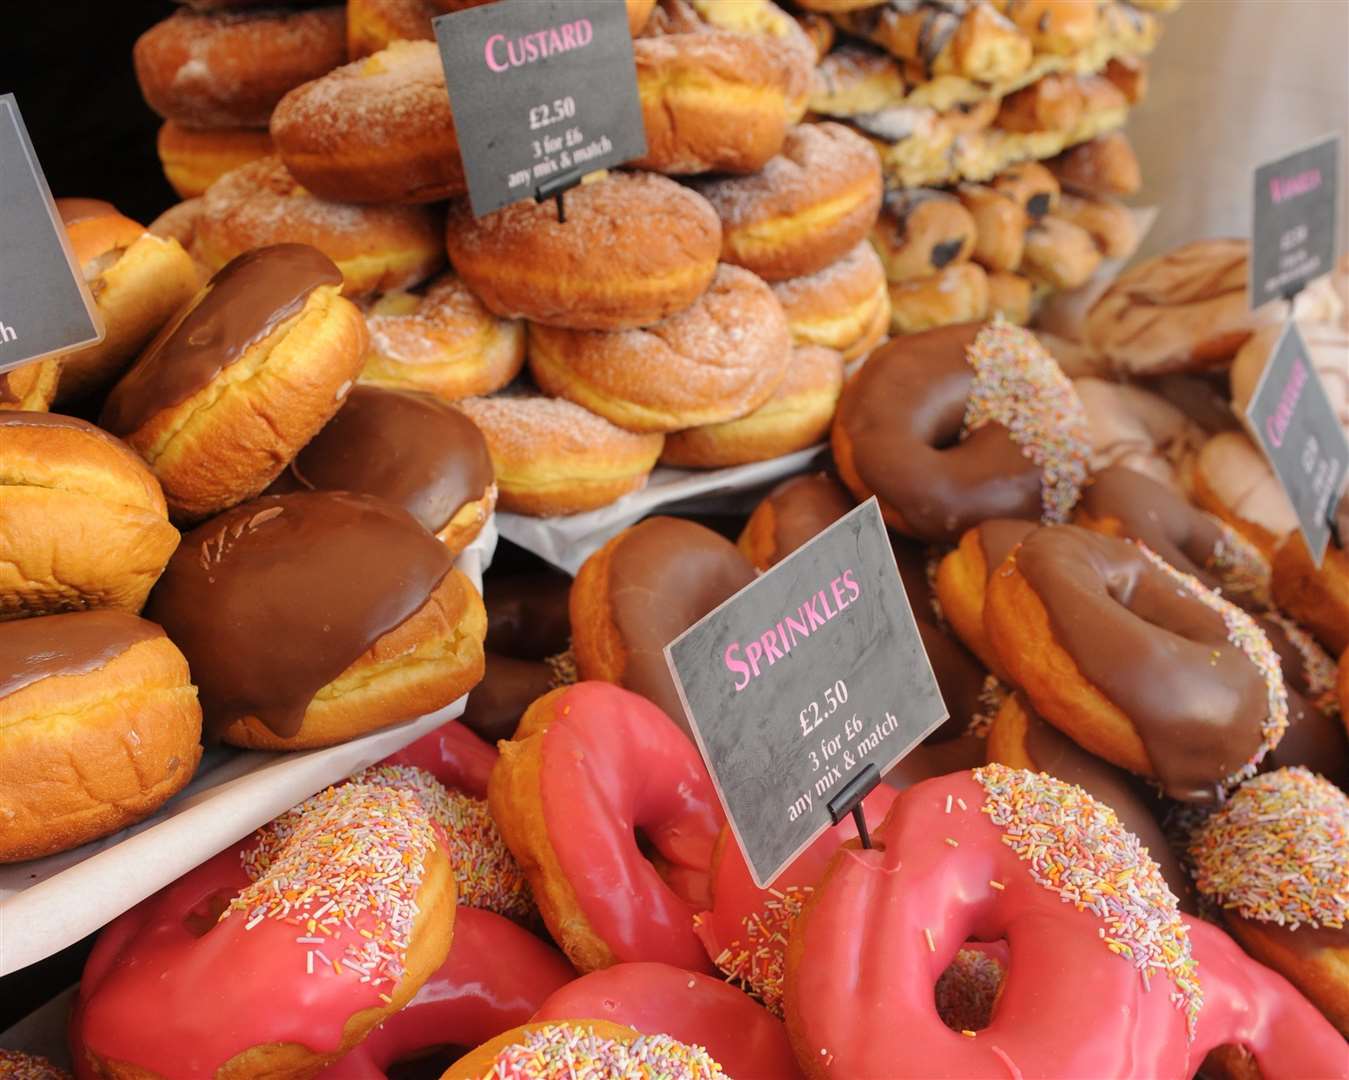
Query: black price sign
1294,231
44,305
543,91
1293,422
806,686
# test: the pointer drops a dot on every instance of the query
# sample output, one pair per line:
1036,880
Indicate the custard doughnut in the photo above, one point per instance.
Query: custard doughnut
792,513
1232,480
807,208
717,360
920,231
798,415
1136,661
16,1065
229,70
30,387
1009,297
996,854
1273,858
1318,598
567,1048
195,158
101,725
1137,429
393,886
377,248
1109,223
410,450
975,42
1059,254
312,618
62,483
1059,27
962,582
1000,224
1106,165
959,424
958,294
642,590
373,25
844,307
618,765
375,131
241,378
593,271
553,457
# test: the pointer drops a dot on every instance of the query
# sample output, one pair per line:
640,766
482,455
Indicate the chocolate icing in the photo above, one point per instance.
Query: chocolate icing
274,599
244,302
507,689
73,210
416,452
803,507
1157,653
903,414
664,574
1312,739
997,538
527,615
74,644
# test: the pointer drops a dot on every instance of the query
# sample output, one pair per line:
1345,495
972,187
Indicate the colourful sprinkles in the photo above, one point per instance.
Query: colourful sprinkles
968,989
566,1052
18,1066
1239,564
757,963
1020,386
1077,849
1278,851
991,696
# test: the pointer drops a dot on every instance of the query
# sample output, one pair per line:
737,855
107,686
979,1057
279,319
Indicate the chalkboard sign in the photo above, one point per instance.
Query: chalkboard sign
809,679
1295,227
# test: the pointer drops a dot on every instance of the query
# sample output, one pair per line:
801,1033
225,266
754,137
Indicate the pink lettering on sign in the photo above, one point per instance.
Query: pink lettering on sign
1282,188
1276,424
502,53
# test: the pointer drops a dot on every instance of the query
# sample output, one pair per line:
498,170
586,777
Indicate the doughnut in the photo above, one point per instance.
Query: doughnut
283,657
30,387
1093,989
455,756
330,978
1316,735
1273,858
974,42
592,271
798,415
241,378
844,307
855,80
138,280
959,424
1059,27
377,248
617,765
508,687
1106,165
1000,224
1232,480
1318,598
1135,428
378,130
584,1048
962,582
409,449
1053,103
1136,661
1109,223
696,1009
373,25
553,457
527,614
179,222
16,1065
806,208
101,728
1059,254
195,158
1010,296
229,70
793,512
717,360
958,294
921,231
441,341
642,590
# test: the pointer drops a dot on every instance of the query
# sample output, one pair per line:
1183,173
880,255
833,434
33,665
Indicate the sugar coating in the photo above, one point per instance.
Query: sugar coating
449,323
525,427
565,1052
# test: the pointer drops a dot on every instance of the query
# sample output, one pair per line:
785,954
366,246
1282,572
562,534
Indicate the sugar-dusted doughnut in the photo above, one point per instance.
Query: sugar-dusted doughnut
229,70
962,581
617,765
789,515
716,360
1000,224
844,307
642,590
1059,254
1231,479
554,457
409,449
807,208
62,482
1106,165
959,424
241,378
921,231
1109,223
1136,661
377,130
373,25
1135,428
195,158
958,294
377,248
311,618
593,271
584,1047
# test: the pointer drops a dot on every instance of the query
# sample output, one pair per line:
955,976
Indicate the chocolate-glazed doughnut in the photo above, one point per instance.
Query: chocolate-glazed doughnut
1137,662
960,424
962,581
1316,735
310,618
789,515
527,614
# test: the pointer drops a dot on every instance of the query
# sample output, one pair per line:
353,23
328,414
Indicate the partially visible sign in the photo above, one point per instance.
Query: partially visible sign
1293,421
1294,228
542,92
44,305
804,681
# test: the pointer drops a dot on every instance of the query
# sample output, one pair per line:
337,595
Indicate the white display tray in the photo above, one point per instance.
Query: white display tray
48,904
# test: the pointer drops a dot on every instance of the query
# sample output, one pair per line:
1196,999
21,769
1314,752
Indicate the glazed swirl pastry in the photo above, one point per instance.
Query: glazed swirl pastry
956,425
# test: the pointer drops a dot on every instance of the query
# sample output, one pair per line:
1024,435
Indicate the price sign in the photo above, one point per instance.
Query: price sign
805,686
1294,231
44,305
1294,423
543,91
